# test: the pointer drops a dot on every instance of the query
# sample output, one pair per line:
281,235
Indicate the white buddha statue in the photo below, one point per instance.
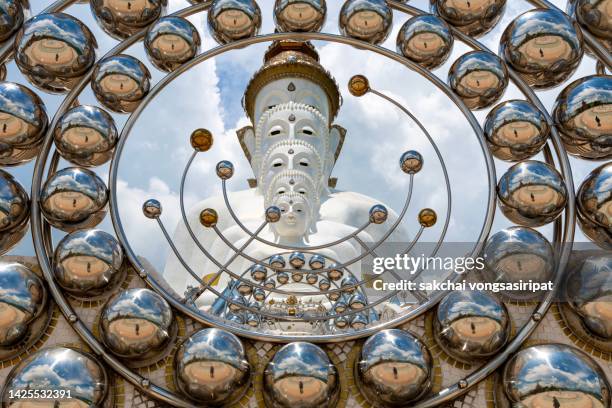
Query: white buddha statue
292,149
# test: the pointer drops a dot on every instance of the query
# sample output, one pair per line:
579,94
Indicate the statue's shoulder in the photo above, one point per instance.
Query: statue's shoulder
350,205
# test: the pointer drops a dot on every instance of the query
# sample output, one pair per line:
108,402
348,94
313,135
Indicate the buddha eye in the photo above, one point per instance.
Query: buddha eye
304,162
299,210
276,130
277,163
302,191
308,131
280,191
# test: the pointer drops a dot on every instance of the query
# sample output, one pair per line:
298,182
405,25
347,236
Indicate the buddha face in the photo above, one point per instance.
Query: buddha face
296,215
290,157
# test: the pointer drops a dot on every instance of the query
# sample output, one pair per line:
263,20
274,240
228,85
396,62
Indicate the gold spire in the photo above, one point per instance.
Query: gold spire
290,58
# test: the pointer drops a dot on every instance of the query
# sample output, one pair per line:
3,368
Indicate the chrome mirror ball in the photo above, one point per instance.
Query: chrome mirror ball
301,375
479,78
87,261
555,375
136,324
595,16
532,193
544,46
23,122
74,198
170,42
120,82
22,298
394,368
516,130
80,376
589,292
211,368
120,18
11,18
366,20
14,211
471,325
515,254
54,51
426,40
582,115
594,204
300,15
473,18
232,20
86,135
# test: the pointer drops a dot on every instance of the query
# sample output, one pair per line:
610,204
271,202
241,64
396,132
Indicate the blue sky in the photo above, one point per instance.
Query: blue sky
209,96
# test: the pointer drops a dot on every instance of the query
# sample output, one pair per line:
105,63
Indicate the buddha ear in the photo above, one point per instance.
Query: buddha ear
246,137
336,141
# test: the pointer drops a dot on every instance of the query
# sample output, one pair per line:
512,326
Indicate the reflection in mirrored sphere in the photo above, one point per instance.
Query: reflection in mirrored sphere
231,20
297,260
211,368
54,51
22,299
378,214
471,325
301,375
543,46
594,205
300,15
555,375
86,135
473,18
516,130
479,78
152,208
515,254
87,261
589,292
411,162
394,368
532,193
79,374
583,115
171,42
11,18
23,122
596,17
366,20
225,170
74,198
120,82
426,40
121,19
136,323
14,210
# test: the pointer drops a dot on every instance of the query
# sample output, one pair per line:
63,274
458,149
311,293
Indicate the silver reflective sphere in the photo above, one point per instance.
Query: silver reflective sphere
366,20
297,260
324,284
74,198
394,368
86,135
474,17
244,288
301,375
340,307
282,277
316,262
54,51
596,17
231,20
11,18
341,322
583,115
589,292
270,283
259,294
426,40
532,193
299,15
555,375
334,273
378,214
411,162
297,276
471,325
259,272
357,301
515,254
136,323
152,208
120,82
78,373
14,204
225,170
22,299
359,321
277,262
348,284
594,204
273,214
479,78
121,19
170,42
86,262
312,278
516,130
23,122
211,368
544,46
237,302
